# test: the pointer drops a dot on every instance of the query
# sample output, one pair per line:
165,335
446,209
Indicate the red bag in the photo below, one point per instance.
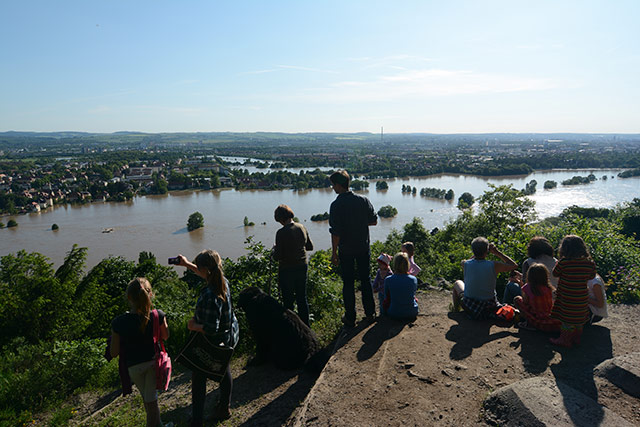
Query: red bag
162,360
505,313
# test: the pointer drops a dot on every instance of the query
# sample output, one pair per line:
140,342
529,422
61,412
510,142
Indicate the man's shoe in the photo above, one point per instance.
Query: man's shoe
348,323
370,319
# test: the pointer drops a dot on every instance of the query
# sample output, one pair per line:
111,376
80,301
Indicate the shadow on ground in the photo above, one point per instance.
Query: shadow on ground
470,334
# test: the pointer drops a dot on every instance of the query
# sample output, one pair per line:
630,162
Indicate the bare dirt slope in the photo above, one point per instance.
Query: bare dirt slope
439,370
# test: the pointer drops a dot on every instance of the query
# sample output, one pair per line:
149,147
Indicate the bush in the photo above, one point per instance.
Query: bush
382,185
623,286
12,223
196,220
320,217
387,211
465,201
36,375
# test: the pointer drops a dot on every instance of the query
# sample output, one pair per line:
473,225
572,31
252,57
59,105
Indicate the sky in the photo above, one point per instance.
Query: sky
320,66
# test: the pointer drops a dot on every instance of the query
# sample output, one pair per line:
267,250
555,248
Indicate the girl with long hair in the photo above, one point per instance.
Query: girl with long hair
214,317
536,301
574,269
132,339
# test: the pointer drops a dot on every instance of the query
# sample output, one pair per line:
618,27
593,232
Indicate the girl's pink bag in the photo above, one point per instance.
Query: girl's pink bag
162,359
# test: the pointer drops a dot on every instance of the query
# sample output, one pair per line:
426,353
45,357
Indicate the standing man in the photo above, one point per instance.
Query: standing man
350,216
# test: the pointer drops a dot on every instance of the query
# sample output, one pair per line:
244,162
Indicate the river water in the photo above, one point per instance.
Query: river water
158,223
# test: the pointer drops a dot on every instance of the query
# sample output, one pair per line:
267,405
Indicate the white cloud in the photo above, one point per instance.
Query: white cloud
420,83
289,67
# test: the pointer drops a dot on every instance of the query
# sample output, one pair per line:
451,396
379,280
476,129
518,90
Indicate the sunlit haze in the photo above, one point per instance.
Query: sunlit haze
330,66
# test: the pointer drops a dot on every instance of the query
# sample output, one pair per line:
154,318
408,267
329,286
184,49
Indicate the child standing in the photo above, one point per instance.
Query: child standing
132,338
536,301
574,269
383,271
409,249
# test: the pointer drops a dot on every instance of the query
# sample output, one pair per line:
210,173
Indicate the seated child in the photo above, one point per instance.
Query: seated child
409,249
512,289
383,272
536,301
477,293
400,290
597,300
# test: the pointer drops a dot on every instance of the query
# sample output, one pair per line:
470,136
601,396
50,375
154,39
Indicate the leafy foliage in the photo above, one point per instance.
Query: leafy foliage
387,211
196,220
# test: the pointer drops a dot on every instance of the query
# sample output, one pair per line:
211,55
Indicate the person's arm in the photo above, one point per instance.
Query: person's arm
598,296
115,344
195,326
164,329
507,263
335,241
373,217
308,245
335,227
276,253
184,262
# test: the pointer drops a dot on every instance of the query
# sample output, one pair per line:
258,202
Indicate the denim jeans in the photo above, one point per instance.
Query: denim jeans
293,287
348,264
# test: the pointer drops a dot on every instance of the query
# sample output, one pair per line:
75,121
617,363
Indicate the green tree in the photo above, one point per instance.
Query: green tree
101,295
504,208
12,223
387,211
450,195
465,201
34,302
196,220
382,185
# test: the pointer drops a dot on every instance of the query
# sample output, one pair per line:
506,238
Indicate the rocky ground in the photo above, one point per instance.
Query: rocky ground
438,370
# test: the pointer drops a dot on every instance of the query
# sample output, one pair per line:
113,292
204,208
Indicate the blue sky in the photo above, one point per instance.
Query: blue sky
320,66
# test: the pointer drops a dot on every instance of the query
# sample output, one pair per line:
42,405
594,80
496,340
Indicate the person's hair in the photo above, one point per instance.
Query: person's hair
480,247
215,278
283,213
408,246
539,246
538,278
340,177
139,293
573,247
401,263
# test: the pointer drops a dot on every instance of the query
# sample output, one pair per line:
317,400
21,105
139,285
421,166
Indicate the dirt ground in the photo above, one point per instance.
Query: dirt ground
435,371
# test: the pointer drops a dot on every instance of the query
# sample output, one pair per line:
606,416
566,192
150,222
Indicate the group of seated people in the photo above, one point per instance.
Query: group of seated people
396,288
550,294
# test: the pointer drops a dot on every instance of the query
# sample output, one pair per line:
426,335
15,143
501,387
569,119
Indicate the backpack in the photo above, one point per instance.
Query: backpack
162,361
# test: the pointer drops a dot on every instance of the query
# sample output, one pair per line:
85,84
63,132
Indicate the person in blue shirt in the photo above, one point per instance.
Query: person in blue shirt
400,290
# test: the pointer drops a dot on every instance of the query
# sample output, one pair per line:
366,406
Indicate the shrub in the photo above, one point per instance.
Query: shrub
623,286
12,223
382,185
387,211
465,201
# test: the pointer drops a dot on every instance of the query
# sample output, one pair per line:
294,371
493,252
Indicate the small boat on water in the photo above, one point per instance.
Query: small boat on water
107,230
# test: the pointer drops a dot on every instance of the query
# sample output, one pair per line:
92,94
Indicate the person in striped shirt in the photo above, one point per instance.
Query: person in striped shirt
571,307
